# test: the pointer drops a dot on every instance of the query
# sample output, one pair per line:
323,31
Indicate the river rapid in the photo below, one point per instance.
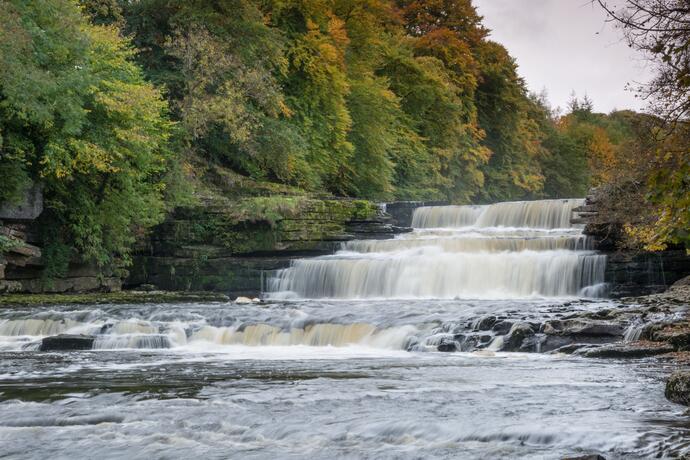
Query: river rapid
341,359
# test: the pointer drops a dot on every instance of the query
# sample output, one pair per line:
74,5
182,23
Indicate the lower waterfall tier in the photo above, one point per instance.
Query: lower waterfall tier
436,274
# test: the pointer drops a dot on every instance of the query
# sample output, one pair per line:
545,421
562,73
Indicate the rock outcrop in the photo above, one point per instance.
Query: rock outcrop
67,342
402,211
629,272
232,246
21,262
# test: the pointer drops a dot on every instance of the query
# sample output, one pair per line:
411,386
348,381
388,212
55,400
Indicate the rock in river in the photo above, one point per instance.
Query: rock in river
625,350
678,388
67,342
517,334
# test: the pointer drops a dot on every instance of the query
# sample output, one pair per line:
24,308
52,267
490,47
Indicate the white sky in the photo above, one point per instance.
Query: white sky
564,46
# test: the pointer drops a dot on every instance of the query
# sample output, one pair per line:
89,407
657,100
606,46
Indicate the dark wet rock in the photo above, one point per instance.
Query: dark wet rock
571,348
586,457
517,334
542,343
470,343
583,327
447,345
502,327
66,342
677,334
632,350
486,323
532,344
678,388
680,341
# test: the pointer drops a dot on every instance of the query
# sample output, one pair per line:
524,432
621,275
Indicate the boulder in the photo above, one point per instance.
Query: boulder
678,388
502,327
67,342
447,345
485,323
517,334
677,334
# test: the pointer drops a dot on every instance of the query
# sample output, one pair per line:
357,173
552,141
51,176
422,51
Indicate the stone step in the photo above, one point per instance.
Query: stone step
67,342
586,208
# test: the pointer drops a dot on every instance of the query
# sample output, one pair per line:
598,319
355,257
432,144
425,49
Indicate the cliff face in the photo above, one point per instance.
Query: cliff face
402,211
220,243
629,272
21,255
229,246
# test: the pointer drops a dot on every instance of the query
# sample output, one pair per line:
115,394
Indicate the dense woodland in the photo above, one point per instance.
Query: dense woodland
109,103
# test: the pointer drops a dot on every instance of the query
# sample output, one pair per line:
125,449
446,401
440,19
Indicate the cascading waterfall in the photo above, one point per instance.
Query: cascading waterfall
149,334
504,250
541,214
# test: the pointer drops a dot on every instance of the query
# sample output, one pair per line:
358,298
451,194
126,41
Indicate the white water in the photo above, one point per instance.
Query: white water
505,250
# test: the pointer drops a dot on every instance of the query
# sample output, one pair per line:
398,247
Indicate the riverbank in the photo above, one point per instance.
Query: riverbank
100,298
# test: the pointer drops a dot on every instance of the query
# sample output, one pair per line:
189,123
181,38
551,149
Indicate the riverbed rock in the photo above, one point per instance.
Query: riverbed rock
678,388
571,348
675,333
517,334
542,343
583,327
502,327
67,342
485,323
586,457
629,350
447,345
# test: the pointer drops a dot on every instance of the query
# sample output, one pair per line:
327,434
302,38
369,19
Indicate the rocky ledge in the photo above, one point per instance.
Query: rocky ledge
628,272
232,246
653,325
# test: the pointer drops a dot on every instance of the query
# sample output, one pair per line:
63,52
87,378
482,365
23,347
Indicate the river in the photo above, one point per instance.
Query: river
341,359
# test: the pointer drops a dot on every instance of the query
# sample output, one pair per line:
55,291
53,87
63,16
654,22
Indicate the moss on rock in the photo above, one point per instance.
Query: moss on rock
122,297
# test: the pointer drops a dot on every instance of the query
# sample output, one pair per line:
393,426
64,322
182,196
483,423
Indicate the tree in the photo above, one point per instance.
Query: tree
78,116
661,29
506,114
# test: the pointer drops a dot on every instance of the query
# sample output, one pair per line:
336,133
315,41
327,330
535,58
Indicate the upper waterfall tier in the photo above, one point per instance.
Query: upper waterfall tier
544,214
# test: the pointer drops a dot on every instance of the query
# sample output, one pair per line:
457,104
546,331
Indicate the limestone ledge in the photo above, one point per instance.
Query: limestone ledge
234,247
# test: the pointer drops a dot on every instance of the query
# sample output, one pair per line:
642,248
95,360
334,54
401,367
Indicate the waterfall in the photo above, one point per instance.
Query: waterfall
542,214
504,250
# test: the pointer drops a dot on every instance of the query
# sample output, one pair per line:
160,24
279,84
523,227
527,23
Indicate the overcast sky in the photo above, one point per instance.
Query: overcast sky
565,46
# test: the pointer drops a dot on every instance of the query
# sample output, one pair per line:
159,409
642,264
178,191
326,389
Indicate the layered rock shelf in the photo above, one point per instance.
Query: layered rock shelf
629,272
232,247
